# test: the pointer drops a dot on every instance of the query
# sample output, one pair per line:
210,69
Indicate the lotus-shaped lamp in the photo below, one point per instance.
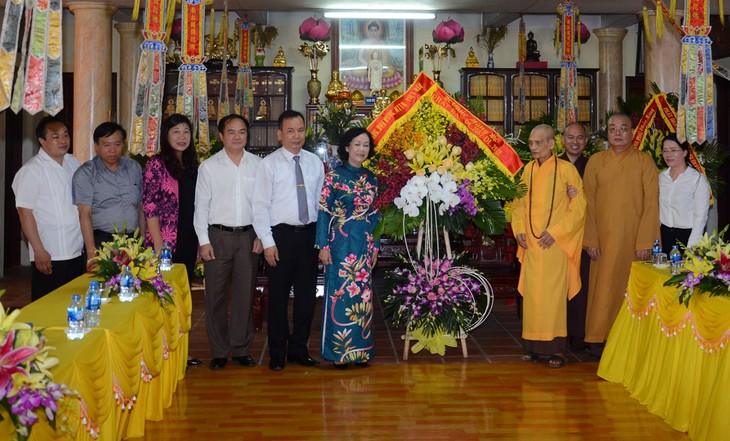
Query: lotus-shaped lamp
315,29
448,32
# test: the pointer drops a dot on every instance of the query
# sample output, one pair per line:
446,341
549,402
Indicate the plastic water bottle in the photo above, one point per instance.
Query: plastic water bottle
76,326
93,305
675,260
126,285
655,250
166,257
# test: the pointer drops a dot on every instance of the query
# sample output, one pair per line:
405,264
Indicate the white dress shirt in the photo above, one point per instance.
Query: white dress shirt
44,186
223,193
275,198
684,202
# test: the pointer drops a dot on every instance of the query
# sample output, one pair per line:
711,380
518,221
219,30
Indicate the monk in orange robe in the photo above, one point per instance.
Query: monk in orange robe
622,222
548,226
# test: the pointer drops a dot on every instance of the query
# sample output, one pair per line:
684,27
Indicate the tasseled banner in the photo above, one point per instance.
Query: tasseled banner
38,83
647,31
244,97
567,101
192,89
223,107
521,93
659,23
147,100
696,112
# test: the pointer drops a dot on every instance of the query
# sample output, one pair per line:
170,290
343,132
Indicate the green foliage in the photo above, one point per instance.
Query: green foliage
334,119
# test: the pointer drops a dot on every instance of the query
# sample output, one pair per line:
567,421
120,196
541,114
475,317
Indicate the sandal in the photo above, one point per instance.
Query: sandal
556,361
531,357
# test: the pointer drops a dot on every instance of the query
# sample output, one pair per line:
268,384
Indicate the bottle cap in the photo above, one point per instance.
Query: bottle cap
128,268
94,284
76,297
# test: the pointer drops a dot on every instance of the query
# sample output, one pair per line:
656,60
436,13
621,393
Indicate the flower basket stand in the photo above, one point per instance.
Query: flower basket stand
463,334
407,345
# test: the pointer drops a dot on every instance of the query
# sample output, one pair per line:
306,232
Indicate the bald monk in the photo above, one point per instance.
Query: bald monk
622,221
548,226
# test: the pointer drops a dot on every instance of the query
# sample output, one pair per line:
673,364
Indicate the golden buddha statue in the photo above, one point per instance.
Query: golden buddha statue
280,59
335,86
263,112
471,59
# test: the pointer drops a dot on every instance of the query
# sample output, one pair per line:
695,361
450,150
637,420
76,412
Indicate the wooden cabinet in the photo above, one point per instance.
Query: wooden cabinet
272,92
499,88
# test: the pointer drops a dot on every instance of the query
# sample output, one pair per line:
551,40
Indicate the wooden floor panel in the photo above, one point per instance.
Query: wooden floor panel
406,402
490,395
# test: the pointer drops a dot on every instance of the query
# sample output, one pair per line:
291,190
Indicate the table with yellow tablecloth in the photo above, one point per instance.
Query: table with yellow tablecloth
671,358
125,370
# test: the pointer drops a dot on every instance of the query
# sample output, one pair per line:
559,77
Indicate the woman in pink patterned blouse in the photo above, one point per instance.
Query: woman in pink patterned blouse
168,192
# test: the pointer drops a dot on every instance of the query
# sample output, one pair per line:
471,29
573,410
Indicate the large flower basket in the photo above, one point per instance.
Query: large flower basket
439,169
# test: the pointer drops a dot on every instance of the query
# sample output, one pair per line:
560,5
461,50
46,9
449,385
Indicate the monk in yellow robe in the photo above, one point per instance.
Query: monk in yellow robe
622,222
548,226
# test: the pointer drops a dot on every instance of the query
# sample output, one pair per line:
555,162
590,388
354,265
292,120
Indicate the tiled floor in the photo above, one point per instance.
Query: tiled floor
495,341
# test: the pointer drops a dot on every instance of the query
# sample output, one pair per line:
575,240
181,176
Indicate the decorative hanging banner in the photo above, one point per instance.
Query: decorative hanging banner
521,92
9,48
696,112
243,101
424,88
192,87
223,107
147,100
38,83
567,101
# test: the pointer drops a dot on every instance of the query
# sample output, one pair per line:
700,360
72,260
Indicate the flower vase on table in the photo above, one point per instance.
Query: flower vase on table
437,78
314,87
490,61
260,56
317,31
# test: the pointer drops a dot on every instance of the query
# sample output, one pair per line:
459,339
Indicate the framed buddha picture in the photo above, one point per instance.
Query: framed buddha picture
373,53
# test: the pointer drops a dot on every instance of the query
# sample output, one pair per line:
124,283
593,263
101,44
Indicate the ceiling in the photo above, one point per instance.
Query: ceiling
495,12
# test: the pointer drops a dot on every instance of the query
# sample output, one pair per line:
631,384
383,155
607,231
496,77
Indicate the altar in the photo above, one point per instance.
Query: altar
671,358
126,370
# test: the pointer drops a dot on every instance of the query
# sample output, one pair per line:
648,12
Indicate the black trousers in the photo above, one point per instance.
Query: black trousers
671,236
578,305
297,267
62,272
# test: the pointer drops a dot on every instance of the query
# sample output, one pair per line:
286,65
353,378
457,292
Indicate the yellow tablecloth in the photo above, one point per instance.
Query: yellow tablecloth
126,370
671,358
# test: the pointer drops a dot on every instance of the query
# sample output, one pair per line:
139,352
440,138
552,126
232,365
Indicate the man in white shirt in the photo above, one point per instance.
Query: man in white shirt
48,217
228,244
286,199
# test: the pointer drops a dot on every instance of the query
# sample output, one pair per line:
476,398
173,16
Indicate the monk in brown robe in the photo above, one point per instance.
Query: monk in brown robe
548,226
622,222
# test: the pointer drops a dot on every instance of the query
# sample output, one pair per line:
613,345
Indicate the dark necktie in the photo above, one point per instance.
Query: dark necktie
301,193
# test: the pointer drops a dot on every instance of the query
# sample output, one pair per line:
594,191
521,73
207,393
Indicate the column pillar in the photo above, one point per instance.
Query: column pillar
611,67
661,57
92,72
130,38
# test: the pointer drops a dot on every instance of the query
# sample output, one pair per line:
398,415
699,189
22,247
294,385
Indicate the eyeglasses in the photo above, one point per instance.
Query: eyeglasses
622,129
670,151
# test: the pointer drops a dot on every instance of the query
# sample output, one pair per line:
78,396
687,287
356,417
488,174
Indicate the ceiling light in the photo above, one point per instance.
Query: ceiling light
381,14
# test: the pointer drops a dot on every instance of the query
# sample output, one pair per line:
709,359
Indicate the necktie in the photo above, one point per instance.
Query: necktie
301,193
